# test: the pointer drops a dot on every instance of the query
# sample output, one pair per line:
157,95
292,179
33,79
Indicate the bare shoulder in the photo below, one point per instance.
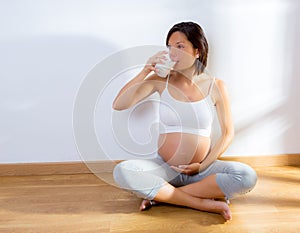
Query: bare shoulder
204,78
219,91
206,83
220,84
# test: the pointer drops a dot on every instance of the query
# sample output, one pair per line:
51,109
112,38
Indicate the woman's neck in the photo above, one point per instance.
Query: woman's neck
185,78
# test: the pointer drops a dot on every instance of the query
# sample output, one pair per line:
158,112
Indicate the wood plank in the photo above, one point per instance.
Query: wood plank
52,168
85,203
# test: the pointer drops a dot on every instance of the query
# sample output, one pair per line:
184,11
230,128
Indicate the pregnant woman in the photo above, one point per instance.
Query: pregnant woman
186,171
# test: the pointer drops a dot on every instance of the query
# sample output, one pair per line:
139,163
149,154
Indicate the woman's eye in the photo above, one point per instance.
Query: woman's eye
180,47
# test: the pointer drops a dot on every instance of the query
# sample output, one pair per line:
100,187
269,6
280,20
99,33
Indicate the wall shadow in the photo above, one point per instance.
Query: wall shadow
40,77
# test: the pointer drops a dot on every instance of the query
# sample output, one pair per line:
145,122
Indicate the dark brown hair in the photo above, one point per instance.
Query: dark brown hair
196,36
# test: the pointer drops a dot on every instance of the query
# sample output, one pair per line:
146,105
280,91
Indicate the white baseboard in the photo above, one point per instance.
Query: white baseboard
60,168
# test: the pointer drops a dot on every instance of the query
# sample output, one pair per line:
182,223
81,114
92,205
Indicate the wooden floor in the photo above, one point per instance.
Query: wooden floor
84,203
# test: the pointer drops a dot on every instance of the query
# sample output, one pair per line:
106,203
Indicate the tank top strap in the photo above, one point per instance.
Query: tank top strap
211,85
167,82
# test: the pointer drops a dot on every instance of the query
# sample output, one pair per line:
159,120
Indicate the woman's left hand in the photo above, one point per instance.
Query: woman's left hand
190,169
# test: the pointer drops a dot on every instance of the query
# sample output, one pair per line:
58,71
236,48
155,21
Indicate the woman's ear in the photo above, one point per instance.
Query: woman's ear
197,53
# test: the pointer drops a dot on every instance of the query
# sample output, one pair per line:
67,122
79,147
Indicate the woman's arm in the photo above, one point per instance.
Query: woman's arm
134,91
139,88
221,97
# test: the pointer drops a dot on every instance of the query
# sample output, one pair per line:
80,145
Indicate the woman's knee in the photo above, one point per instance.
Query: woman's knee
123,172
134,176
236,179
246,177
117,173
249,178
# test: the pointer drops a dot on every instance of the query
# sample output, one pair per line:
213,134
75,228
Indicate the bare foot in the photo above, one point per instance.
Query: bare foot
226,214
147,204
221,208
210,205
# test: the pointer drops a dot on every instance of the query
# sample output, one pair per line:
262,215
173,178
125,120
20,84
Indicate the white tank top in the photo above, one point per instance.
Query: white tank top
185,117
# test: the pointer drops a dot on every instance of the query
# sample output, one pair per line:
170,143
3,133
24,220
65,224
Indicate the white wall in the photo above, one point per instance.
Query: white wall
47,48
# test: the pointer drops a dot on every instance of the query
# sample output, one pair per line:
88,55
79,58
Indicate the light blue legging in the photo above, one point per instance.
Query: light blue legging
146,177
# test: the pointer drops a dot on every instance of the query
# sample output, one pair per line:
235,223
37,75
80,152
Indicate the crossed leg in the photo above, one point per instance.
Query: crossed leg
148,179
206,188
197,196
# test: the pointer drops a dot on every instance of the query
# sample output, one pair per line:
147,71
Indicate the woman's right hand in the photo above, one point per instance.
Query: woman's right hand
157,58
136,89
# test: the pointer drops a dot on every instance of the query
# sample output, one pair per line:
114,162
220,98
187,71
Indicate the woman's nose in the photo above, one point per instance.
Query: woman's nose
172,53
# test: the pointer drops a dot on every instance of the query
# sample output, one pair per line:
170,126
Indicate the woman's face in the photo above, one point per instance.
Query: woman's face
182,51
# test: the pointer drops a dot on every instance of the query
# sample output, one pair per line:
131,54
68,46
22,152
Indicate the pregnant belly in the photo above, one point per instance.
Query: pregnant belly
182,148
